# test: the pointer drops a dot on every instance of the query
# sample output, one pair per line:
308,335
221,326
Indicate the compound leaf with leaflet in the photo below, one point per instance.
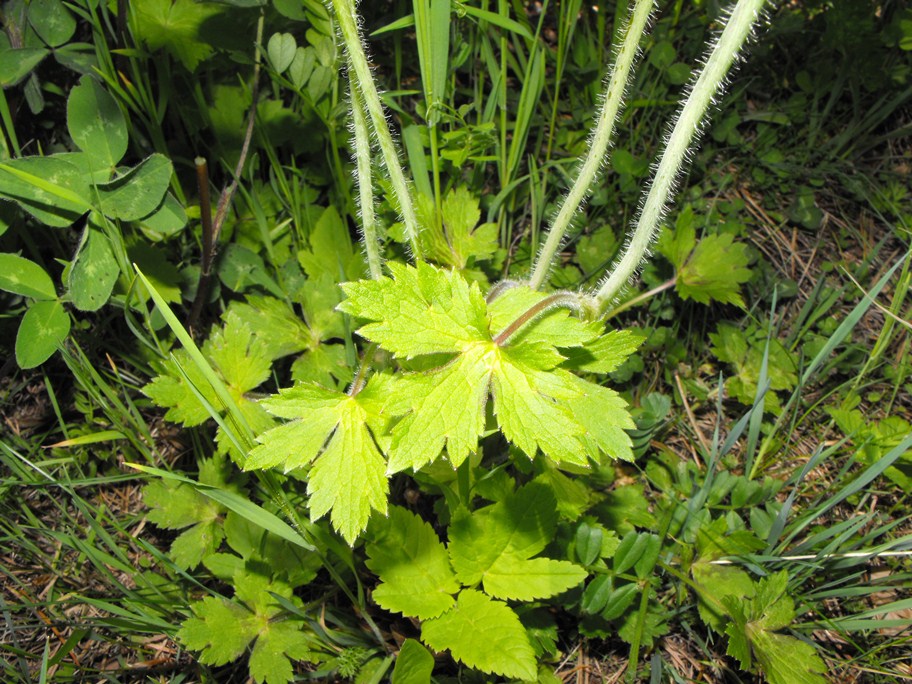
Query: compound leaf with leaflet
483,633
414,570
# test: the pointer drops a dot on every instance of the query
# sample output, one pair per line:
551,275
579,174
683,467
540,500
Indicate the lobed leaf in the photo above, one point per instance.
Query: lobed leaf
414,569
483,633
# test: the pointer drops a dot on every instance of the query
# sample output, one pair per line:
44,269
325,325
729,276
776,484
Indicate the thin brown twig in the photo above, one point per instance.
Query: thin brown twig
691,417
210,241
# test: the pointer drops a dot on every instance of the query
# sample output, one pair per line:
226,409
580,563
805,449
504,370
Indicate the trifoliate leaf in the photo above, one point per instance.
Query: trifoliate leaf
483,633
414,569
493,545
332,430
715,270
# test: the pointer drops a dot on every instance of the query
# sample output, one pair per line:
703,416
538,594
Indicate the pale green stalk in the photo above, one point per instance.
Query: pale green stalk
689,120
601,138
346,16
365,187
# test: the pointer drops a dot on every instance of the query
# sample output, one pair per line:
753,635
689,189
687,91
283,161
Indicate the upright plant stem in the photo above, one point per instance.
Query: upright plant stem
687,124
601,138
348,25
365,187
214,228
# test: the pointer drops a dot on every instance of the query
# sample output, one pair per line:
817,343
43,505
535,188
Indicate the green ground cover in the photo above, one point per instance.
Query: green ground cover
469,357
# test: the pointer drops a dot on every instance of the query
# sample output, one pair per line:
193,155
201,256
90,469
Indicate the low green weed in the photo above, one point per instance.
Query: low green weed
453,438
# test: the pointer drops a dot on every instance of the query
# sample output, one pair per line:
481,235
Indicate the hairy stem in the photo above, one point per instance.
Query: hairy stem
687,124
564,299
346,16
365,187
601,139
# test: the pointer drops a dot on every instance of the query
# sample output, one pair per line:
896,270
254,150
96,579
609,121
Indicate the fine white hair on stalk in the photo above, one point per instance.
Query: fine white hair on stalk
616,83
685,128
364,179
348,22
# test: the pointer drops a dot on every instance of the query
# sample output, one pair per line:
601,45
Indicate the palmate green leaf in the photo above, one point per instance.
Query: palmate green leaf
421,435
715,270
281,329
333,431
420,311
752,634
493,546
177,505
174,25
238,356
219,629
483,633
413,566
223,629
605,354
424,311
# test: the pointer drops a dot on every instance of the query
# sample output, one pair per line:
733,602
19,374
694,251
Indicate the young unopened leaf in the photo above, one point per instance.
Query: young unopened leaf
483,633
333,431
414,569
